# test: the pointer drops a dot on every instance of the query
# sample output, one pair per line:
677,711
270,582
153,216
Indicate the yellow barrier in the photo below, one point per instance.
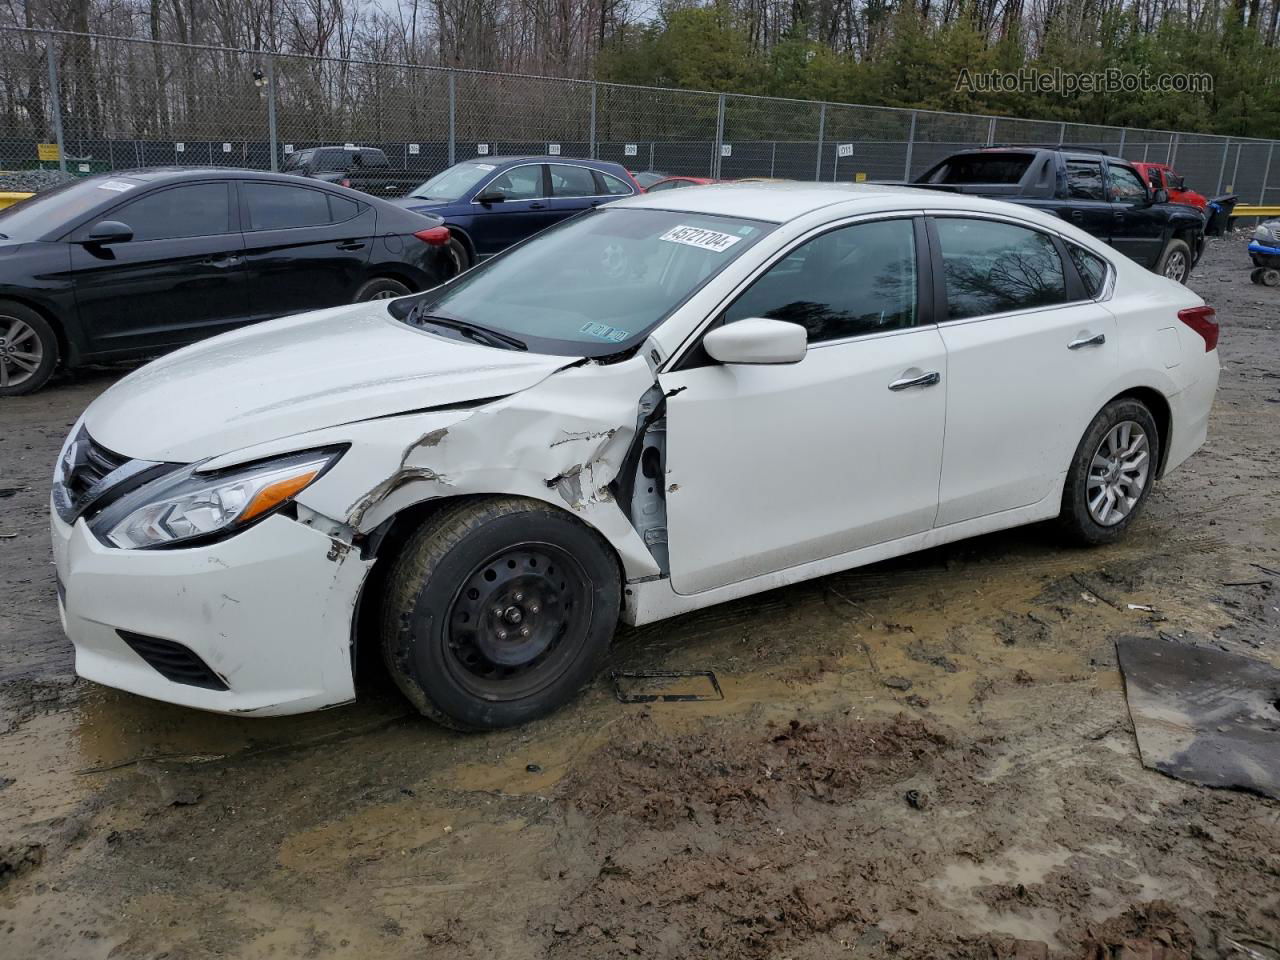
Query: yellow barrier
1248,210
9,199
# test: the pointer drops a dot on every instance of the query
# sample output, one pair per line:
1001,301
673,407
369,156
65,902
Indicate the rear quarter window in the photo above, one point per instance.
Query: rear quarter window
983,168
1091,267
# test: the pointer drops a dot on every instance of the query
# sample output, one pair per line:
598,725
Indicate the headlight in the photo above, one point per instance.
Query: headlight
188,505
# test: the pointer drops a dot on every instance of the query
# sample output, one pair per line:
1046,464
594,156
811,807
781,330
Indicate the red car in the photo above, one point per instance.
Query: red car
1162,177
674,183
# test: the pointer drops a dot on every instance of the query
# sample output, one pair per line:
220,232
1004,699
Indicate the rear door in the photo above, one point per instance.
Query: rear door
524,210
305,247
573,189
181,277
1031,359
1139,226
1087,205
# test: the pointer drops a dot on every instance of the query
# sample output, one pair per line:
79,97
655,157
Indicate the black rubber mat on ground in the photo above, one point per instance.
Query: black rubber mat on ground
1204,715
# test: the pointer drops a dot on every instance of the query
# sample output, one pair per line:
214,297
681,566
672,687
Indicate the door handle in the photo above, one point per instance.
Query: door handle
537,206
1077,215
222,261
929,379
1094,341
351,245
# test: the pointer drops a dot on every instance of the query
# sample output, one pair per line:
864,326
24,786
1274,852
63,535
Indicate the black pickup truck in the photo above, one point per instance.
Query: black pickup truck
360,168
1101,194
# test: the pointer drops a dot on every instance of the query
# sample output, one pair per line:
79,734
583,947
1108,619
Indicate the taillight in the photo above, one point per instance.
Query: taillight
436,236
1201,320
345,182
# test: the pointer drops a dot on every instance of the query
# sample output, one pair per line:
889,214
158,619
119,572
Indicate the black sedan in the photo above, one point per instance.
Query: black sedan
128,265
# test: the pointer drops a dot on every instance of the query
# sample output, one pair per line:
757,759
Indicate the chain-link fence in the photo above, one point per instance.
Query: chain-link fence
89,104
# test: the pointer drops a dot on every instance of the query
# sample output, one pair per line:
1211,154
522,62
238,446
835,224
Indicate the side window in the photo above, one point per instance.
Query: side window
667,185
1154,178
853,280
1126,185
568,181
275,206
614,187
342,208
1084,180
1091,267
198,210
520,183
993,267
373,159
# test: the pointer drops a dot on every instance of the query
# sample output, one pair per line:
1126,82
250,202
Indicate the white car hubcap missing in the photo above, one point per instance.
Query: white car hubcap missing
1118,473
21,352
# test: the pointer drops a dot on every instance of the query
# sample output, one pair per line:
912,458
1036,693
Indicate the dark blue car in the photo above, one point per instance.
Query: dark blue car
490,203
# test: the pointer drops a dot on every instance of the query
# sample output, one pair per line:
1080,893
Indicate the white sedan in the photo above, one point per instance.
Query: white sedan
669,402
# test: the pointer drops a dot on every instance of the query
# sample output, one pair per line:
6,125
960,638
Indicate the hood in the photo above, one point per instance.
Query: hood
291,376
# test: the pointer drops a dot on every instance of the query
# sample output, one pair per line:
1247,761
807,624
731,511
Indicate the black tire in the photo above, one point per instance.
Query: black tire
28,350
498,611
1255,275
1076,517
459,256
381,288
1270,277
1175,262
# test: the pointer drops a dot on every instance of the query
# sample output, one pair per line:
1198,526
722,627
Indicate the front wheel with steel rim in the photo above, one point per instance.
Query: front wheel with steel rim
1112,472
498,611
381,288
28,350
1175,261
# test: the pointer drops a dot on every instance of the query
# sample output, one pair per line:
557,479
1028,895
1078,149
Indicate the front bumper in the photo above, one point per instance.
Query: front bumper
269,610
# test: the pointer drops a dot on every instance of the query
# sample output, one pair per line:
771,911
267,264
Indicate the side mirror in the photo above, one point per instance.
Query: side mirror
1160,196
491,196
757,340
1180,183
109,231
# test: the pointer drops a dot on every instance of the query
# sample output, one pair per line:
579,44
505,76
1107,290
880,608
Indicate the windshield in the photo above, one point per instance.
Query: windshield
453,183
594,285
49,210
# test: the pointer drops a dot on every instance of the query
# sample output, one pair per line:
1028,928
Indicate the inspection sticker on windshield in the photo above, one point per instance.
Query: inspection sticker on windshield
604,332
698,237
119,186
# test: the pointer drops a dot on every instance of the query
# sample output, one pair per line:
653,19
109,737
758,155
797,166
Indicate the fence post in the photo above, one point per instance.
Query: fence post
911,143
1222,169
1120,152
1266,175
822,133
1062,133
991,131
593,121
453,129
715,160
1235,170
773,158
271,113
1173,149
55,100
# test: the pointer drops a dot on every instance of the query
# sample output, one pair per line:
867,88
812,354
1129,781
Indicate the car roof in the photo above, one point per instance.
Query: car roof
166,174
546,158
782,202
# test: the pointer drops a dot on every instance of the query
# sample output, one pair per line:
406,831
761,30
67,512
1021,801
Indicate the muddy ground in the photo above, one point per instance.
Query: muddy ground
921,759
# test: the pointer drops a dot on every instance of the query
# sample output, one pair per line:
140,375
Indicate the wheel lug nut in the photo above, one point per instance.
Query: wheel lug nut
519,597
497,611
533,608
502,634
524,631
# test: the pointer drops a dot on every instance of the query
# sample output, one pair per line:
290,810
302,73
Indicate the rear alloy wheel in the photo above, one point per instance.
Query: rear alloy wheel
1112,473
28,350
1175,262
458,256
381,288
498,611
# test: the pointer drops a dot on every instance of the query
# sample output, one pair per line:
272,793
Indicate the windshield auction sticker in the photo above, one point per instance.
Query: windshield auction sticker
698,237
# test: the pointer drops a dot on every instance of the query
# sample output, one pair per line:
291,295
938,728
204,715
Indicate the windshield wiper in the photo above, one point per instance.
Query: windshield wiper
490,338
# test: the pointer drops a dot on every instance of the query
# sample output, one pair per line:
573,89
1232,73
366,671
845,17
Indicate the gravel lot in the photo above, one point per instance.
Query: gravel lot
927,758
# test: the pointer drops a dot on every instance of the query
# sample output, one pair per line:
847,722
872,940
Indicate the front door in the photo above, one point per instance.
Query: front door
1139,226
524,210
1028,368
773,466
180,278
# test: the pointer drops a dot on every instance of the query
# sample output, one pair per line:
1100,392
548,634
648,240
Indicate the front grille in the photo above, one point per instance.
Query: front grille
173,661
91,465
